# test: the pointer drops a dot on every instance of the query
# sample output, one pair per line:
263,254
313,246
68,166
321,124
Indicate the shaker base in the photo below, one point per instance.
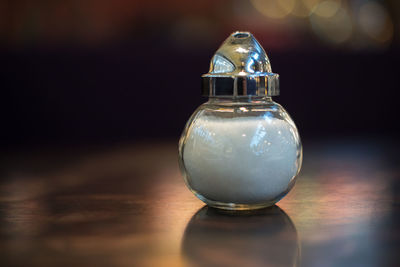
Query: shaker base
235,206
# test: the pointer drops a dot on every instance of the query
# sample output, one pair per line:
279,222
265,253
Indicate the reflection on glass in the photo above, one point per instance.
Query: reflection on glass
264,237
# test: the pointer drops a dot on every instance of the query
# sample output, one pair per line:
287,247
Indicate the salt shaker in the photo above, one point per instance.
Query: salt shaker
240,150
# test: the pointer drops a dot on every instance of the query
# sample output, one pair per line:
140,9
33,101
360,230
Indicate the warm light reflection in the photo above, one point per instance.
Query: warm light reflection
95,207
171,216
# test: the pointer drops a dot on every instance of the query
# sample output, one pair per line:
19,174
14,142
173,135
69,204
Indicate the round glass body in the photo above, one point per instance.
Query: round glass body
240,153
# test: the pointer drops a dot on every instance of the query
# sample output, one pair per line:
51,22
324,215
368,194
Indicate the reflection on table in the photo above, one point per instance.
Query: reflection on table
224,238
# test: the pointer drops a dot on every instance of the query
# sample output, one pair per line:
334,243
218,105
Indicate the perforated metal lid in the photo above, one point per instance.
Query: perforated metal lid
240,67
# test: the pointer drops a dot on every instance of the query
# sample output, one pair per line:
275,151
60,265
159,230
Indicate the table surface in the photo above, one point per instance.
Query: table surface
127,205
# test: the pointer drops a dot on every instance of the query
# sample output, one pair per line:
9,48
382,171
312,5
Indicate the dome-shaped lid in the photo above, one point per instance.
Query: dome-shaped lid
240,67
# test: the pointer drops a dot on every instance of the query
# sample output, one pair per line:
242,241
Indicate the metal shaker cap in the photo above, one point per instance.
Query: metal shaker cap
240,67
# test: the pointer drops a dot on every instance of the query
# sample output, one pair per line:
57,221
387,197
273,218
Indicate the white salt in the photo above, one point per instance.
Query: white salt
241,160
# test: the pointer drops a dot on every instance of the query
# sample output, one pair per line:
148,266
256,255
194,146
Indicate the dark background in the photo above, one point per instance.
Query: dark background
95,94
100,72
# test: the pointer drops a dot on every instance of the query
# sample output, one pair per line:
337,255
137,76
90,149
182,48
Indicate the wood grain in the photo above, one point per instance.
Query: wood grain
127,205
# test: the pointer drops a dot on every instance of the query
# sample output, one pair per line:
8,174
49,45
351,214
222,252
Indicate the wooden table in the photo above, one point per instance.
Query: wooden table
127,205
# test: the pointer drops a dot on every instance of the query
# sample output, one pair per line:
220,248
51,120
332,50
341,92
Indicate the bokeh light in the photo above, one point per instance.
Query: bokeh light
327,9
303,8
375,22
331,22
348,24
276,9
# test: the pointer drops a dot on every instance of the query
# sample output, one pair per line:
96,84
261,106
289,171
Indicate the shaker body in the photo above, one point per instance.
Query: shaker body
240,153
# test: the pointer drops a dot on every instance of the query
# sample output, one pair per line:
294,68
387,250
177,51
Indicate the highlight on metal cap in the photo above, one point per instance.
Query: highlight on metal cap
240,67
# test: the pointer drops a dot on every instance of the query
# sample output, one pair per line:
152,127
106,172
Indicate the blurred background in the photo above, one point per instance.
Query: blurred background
95,94
89,72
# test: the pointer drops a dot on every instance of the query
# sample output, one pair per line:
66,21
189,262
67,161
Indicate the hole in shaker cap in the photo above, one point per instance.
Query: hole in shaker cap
241,35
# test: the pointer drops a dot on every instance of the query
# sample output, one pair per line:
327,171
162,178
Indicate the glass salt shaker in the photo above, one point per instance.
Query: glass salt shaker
240,150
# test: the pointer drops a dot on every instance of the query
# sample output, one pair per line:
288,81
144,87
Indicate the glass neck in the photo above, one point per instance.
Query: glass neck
242,99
